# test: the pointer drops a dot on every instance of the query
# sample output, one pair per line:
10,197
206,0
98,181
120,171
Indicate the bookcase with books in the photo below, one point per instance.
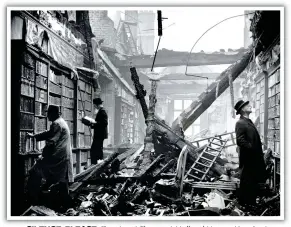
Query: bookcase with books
44,82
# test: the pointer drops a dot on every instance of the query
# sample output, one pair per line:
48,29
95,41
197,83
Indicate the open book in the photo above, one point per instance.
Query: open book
88,121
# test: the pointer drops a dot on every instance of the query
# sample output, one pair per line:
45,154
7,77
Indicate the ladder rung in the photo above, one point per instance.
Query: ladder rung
218,139
212,149
198,170
202,164
221,145
207,159
194,176
206,152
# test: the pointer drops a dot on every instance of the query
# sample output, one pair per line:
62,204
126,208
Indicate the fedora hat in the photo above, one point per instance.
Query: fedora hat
240,104
97,101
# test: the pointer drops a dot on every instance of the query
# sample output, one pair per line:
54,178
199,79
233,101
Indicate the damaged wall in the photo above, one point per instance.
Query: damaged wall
103,27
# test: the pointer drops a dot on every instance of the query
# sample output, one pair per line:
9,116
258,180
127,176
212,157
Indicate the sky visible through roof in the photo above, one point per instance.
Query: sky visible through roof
185,25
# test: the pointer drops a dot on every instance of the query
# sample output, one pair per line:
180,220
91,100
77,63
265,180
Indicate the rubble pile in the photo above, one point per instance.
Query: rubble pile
113,189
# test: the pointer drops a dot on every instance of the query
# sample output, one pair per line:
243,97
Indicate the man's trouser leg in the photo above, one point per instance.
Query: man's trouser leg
99,149
64,194
93,153
96,151
34,183
248,188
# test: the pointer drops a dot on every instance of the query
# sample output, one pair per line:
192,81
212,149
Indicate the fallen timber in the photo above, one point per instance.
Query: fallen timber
96,169
232,186
169,136
189,115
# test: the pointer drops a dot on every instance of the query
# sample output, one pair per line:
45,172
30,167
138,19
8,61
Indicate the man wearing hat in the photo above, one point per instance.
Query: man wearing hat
251,158
56,163
100,131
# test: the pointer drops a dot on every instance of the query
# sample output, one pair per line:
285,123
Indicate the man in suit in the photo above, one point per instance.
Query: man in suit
100,131
56,163
251,157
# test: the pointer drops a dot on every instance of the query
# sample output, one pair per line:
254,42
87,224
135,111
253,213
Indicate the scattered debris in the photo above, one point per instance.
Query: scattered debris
113,188
39,211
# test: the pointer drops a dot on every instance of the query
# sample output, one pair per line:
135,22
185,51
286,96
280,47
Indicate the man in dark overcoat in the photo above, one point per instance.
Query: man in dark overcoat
100,131
251,157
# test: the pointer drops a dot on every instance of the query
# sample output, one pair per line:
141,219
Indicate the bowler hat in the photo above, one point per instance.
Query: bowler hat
240,104
53,109
97,101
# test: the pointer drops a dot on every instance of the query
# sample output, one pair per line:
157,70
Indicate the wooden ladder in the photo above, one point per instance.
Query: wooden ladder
230,137
206,159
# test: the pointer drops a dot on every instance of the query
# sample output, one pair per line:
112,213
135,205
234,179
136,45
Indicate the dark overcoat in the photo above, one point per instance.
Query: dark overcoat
251,157
101,125
100,133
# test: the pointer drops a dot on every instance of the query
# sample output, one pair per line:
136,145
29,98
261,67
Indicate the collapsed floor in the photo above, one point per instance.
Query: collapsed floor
113,188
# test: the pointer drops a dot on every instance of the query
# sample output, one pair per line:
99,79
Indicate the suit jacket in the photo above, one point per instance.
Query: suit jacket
250,147
58,158
101,125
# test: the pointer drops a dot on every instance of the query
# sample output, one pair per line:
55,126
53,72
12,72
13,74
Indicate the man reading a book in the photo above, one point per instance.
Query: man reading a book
100,131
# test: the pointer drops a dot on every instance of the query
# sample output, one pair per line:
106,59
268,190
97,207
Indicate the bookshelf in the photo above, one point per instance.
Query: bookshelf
44,82
124,122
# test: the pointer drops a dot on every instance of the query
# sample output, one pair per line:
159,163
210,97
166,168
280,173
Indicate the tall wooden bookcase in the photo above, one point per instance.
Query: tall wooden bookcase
44,82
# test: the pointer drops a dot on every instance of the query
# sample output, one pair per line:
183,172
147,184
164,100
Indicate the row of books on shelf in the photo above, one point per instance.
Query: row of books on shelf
274,90
274,134
55,77
27,88
274,100
40,95
274,112
55,88
41,82
29,59
84,140
27,73
274,123
84,96
67,102
68,114
41,68
26,121
26,104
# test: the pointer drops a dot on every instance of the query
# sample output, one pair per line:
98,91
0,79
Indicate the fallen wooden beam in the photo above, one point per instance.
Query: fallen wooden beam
189,115
101,166
165,168
129,152
214,185
168,175
39,211
152,166
97,169
81,175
